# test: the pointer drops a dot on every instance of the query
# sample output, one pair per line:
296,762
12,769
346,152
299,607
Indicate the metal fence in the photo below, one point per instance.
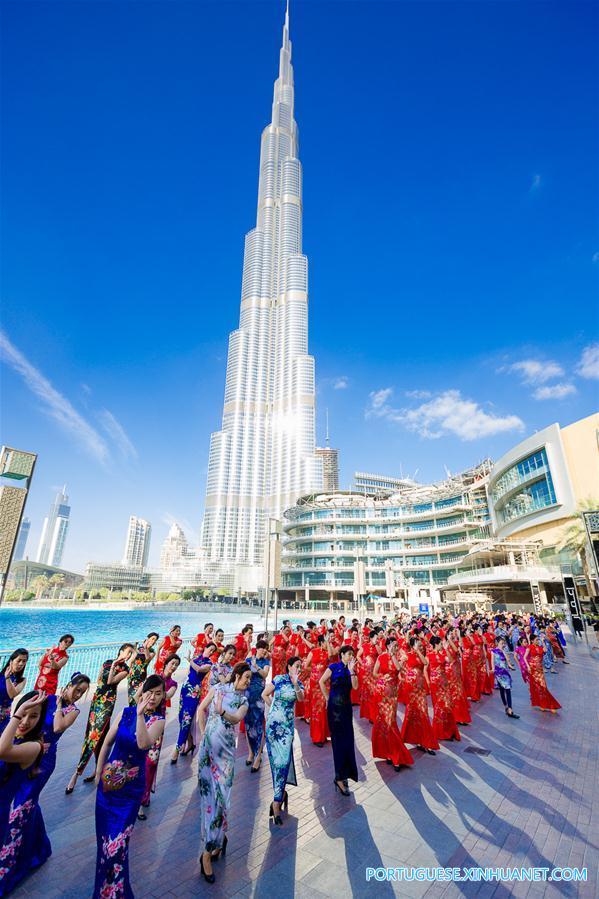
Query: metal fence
86,658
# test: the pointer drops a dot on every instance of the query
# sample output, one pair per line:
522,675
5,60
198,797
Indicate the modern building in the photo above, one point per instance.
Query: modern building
174,549
15,465
22,538
330,468
379,484
137,544
180,564
263,458
115,576
341,546
23,574
54,531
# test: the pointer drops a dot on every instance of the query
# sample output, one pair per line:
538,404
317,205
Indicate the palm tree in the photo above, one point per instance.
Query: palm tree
40,584
575,538
56,581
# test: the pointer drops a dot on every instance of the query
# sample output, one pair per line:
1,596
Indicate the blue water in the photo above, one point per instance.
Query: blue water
39,628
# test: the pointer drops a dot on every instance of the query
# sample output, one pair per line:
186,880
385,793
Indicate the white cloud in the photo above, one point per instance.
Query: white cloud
588,366
341,383
536,371
554,391
446,413
54,403
596,257
118,434
418,394
535,183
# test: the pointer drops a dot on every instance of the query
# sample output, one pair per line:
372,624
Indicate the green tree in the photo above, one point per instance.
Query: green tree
574,538
40,585
56,581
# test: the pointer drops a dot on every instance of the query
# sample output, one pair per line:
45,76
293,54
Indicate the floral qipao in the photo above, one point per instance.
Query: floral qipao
520,653
540,696
254,719
459,702
279,654
47,679
503,678
444,723
138,672
5,700
470,670
216,768
169,647
100,713
416,725
190,698
117,802
279,735
386,738
319,727
26,845
367,682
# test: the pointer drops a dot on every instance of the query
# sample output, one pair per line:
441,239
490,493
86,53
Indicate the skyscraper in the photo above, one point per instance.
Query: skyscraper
137,544
330,463
263,458
54,531
15,465
22,538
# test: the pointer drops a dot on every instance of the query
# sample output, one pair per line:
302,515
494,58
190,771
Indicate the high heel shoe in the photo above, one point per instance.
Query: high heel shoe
90,778
285,803
209,878
249,762
222,851
344,792
174,760
69,790
277,818
189,749
254,769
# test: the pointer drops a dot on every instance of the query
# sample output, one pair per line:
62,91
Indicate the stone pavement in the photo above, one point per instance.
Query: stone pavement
532,801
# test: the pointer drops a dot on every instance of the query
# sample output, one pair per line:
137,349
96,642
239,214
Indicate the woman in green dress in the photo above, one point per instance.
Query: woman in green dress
226,705
281,695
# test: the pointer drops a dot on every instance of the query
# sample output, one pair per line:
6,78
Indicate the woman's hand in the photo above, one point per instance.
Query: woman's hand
351,665
143,703
31,703
218,703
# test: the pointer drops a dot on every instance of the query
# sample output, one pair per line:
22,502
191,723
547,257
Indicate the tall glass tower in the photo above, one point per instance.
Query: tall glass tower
263,458
54,531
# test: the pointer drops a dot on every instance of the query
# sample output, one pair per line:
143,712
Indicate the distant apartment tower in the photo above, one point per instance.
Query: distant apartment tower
22,540
15,465
379,483
330,468
54,531
174,549
137,545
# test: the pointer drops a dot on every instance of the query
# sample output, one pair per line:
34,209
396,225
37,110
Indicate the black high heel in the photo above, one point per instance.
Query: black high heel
209,878
248,763
285,802
277,818
222,851
189,749
69,790
174,761
343,792
90,778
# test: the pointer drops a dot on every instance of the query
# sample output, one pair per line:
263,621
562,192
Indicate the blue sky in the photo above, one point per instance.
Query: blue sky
450,195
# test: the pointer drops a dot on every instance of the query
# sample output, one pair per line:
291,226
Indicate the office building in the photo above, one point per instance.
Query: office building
115,576
54,531
379,484
137,544
330,468
15,466
22,538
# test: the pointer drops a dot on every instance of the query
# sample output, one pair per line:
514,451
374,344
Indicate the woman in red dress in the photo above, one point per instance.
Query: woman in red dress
453,669
540,697
168,647
318,662
480,660
52,661
219,642
417,727
469,667
489,638
302,649
353,639
367,656
278,649
386,739
444,723
243,643
203,638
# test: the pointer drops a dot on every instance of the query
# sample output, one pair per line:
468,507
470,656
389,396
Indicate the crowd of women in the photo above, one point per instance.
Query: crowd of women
316,673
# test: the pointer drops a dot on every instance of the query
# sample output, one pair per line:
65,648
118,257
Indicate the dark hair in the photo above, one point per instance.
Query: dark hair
78,678
152,634
310,624
321,638
246,628
124,646
230,646
291,662
170,659
345,649
434,640
174,627
67,637
412,641
151,682
207,647
219,630
261,644
238,669
15,655
35,733
208,624
332,621
390,640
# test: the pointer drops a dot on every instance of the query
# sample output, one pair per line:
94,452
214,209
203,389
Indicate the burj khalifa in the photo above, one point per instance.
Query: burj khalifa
263,457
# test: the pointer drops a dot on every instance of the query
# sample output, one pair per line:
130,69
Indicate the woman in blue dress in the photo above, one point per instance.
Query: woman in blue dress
221,671
121,782
21,749
12,682
343,680
281,695
254,720
503,678
226,705
189,700
26,845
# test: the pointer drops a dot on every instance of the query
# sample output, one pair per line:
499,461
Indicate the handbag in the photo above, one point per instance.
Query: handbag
116,774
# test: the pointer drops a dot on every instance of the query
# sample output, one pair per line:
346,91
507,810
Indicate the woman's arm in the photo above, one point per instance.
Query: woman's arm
376,669
110,738
61,722
263,672
116,678
202,710
24,754
323,682
267,693
235,718
14,689
60,664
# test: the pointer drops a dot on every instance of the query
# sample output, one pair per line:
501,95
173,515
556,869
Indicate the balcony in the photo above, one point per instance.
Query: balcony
506,574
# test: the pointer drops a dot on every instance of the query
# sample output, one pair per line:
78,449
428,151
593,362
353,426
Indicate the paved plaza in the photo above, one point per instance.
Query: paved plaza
533,800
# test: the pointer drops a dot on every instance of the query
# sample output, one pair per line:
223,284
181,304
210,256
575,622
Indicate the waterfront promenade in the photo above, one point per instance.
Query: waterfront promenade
533,800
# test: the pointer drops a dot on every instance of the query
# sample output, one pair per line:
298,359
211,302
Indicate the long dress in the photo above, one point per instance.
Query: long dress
254,719
459,702
279,735
470,670
190,698
15,787
47,679
319,727
170,647
279,654
366,681
26,845
216,768
479,654
501,675
153,756
444,723
489,643
5,700
137,672
386,738
116,810
540,696
520,653
417,727
100,713
341,723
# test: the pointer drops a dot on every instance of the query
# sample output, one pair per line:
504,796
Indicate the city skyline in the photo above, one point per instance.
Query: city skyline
452,309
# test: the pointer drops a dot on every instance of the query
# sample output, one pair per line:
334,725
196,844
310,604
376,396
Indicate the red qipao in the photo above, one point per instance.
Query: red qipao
417,727
386,738
302,650
540,697
170,646
319,725
489,639
470,670
459,702
481,667
47,679
366,681
444,723
279,654
242,649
